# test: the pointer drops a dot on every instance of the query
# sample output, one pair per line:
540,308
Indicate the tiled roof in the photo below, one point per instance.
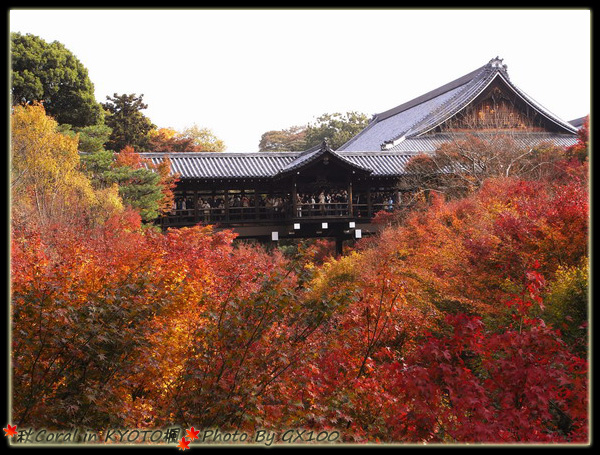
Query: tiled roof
578,122
221,165
382,164
430,142
316,153
389,141
421,115
379,163
217,165
381,130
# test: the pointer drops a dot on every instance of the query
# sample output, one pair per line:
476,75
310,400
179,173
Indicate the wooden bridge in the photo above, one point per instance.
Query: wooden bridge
325,193
272,196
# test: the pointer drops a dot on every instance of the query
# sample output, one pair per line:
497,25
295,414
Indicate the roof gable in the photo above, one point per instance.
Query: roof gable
427,112
501,99
322,155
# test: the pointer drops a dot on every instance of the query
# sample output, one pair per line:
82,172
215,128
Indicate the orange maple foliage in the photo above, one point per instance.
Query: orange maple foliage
430,333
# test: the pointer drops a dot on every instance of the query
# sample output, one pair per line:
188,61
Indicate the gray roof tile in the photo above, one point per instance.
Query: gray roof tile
406,129
220,165
424,113
428,143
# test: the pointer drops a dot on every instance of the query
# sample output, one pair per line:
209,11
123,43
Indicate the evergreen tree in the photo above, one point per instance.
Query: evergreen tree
130,127
51,74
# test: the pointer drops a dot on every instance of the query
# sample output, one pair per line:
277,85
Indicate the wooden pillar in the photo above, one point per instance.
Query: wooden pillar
183,213
369,203
294,199
196,207
256,203
226,205
350,212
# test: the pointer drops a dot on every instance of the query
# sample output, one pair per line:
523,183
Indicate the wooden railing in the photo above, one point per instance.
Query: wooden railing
260,215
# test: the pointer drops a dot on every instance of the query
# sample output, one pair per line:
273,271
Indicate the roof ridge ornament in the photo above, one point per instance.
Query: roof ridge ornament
496,63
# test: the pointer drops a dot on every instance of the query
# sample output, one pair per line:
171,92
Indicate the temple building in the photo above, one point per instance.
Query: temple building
335,193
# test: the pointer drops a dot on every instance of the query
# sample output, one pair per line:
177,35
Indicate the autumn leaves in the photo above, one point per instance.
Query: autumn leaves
464,322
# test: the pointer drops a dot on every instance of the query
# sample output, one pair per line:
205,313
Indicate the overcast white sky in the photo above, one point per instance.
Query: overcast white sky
244,72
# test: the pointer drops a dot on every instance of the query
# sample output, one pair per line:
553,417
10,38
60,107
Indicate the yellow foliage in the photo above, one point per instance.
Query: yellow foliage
46,181
40,155
107,202
164,133
335,272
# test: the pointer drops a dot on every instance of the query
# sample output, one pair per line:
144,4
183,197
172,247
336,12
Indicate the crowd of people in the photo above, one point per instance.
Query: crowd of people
249,206
239,206
322,203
